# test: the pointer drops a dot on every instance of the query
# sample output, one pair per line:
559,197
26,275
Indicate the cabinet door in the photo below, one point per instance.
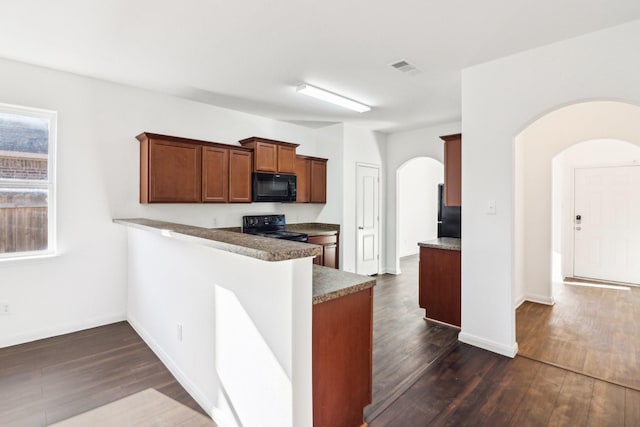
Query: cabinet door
240,176
174,172
439,292
286,159
330,256
453,171
266,157
303,170
318,181
215,174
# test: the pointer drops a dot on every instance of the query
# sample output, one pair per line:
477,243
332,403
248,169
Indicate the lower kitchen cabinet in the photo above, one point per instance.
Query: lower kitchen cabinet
439,284
329,255
342,359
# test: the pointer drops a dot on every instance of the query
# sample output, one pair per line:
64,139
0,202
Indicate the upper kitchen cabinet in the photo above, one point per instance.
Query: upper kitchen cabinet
170,170
182,170
240,163
452,169
311,173
318,178
271,156
215,174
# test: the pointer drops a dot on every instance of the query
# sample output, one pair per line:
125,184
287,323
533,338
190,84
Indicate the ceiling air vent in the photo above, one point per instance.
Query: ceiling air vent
403,66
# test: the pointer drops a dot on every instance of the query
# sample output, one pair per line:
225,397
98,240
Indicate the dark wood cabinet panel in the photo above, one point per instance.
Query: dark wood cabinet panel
302,172
318,180
271,156
240,164
215,174
329,256
286,159
452,169
439,284
183,170
342,359
174,172
266,157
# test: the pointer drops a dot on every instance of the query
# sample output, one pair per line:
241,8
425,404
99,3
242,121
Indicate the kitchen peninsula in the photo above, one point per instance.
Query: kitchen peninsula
439,280
239,320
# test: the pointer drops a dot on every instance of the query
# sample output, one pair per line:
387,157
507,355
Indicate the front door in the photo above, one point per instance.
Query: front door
607,223
367,219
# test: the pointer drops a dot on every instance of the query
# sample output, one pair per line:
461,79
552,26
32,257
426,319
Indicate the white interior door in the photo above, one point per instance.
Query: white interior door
367,219
607,223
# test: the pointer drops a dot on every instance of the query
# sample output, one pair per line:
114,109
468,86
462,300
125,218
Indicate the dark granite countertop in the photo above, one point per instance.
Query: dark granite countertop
447,243
329,283
249,245
314,228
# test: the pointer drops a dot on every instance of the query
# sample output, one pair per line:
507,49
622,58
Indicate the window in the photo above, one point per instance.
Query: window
27,214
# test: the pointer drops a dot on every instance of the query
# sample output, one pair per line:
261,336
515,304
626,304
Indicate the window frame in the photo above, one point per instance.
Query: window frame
49,184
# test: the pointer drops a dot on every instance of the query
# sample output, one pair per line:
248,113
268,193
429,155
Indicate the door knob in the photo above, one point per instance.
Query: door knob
360,227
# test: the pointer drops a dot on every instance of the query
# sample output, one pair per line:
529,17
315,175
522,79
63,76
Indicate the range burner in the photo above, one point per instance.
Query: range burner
270,226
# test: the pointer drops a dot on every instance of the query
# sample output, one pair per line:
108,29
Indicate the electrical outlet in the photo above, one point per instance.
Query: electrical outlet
179,332
4,308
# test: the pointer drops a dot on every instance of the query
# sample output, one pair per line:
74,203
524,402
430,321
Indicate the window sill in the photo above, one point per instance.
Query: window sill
28,257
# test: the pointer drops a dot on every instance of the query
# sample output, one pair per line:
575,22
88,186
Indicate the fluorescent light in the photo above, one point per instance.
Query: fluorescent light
332,98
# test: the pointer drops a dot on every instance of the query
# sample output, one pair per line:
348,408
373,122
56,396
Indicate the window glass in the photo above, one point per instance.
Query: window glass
26,187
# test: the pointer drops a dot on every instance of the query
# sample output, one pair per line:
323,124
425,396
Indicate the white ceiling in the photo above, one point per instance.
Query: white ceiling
250,55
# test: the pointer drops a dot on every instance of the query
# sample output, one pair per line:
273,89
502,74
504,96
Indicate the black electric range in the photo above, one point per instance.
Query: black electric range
270,226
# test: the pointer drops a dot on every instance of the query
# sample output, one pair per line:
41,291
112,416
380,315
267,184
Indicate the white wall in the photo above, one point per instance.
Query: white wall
418,181
500,99
245,351
97,179
401,147
598,152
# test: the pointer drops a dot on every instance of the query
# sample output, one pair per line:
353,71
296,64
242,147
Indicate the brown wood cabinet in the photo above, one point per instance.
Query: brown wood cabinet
215,174
240,164
183,170
329,255
170,171
311,175
318,181
439,284
342,359
452,169
303,173
271,156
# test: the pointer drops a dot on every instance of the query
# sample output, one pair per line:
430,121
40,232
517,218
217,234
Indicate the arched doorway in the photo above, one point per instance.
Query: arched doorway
417,207
574,334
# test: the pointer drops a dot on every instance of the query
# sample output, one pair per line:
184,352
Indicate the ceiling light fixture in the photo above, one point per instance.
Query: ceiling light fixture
332,98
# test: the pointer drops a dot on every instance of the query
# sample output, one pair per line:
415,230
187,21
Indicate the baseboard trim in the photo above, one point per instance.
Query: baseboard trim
539,299
63,329
493,346
519,302
184,381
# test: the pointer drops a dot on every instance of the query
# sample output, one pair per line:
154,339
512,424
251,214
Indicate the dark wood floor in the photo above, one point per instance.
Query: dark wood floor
53,379
474,387
404,344
590,330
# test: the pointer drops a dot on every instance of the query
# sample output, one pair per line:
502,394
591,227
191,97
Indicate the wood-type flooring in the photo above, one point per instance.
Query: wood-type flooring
474,387
404,344
594,330
50,380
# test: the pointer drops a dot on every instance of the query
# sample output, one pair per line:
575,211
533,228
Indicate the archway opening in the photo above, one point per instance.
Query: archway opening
583,325
417,206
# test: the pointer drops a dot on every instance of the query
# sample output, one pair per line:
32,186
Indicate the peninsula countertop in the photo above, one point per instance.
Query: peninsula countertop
329,283
249,245
446,243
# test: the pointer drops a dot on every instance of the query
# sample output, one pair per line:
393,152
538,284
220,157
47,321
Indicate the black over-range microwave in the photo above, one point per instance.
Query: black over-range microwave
273,187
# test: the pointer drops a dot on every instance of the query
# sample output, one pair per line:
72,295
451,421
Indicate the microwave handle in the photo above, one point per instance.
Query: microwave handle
292,188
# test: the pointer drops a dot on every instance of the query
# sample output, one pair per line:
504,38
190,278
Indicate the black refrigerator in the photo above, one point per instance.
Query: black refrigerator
449,217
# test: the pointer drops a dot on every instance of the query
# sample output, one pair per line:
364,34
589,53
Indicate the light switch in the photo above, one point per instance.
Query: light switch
491,207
